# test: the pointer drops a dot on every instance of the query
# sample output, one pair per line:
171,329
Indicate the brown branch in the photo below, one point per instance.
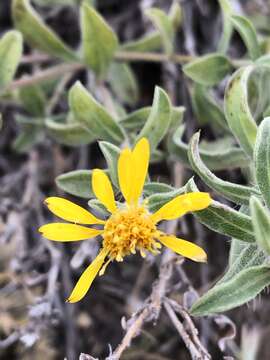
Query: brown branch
194,352
193,331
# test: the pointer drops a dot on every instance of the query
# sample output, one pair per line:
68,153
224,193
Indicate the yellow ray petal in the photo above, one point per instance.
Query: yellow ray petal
69,211
87,277
141,155
103,190
181,205
67,232
125,173
184,248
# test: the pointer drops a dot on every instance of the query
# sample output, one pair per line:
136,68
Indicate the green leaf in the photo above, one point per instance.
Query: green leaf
155,201
123,83
33,100
137,119
238,246
153,41
37,33
198,70
154,187
249,256
237,111
111,154
248,34
93,116
237,193
262,159
11,47
206,109
227,25
159,119
98,208
239,290
70,134
98,39
223,219
76,183
30,134
149,42
164,26
214,156
261,224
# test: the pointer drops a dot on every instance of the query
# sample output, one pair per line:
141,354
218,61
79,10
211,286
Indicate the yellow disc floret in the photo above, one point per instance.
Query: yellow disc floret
128,230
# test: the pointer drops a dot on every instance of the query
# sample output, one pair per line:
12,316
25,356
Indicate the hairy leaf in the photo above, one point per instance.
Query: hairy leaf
262,159
224,220
76,183
215,157
261,224
237,109
98,39
37,33
159,119
11,47
164,26
242,288
93,116
111,154
248,35
70,134
227,25
237,193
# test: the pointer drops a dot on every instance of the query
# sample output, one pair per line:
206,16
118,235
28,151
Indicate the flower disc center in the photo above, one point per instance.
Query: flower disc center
129,230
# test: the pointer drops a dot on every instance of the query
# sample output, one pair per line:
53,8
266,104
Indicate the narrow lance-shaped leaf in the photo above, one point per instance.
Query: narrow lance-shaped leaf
159,119
111,154
93,116
248,35
11,47
98,39
198,70
262,159
225,157
223,219
236,246
165,27
237,109
261,224
239,290
37,33
237,193
251,255
227,25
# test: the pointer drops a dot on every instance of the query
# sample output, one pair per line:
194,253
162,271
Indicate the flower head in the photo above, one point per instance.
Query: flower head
130,227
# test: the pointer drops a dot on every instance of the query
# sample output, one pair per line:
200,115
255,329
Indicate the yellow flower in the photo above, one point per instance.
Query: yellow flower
130,227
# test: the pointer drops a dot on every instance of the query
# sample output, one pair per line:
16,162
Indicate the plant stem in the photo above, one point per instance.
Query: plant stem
131,56
44,75
125,56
